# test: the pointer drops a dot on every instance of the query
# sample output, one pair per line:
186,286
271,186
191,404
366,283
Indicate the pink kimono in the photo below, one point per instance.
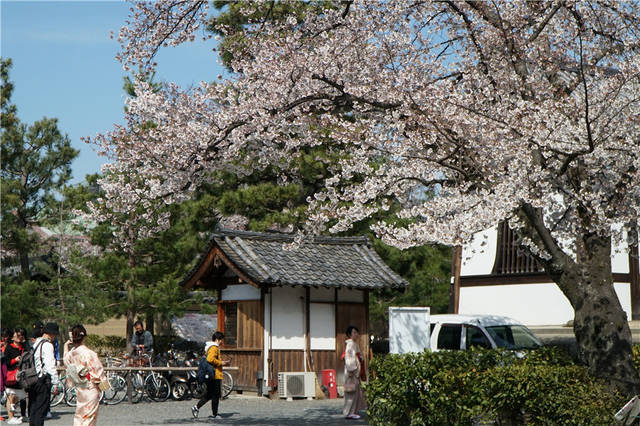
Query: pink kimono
353,401
89,396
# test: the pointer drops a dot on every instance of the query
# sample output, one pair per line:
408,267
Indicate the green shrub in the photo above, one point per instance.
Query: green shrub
467,387
547,394
107,345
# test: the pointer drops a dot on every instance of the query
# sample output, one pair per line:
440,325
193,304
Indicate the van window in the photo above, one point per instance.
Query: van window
475,337
513,337
449,336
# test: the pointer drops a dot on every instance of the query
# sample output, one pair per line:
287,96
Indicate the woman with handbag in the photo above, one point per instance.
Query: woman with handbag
86,373
353,373
13,353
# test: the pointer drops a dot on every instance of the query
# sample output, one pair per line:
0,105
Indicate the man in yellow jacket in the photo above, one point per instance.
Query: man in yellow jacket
214,384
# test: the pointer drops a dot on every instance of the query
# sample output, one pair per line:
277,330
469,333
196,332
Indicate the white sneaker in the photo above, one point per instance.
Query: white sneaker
15,421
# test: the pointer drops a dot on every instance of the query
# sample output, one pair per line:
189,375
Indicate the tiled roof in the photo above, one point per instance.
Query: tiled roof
324,261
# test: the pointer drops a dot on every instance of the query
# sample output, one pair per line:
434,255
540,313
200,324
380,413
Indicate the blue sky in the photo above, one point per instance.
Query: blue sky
64,67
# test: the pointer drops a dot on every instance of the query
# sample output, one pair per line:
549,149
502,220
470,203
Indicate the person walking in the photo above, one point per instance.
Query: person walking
45,363
13,354
353,373
213,384
85,371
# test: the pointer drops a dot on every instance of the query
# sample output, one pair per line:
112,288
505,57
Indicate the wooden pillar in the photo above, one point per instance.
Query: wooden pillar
307,330
366,351
454,288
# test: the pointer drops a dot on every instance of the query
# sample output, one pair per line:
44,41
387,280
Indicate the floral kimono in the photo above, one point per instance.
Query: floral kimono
354,400
88,393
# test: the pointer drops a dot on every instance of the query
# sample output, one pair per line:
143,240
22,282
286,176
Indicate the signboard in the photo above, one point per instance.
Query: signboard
408,329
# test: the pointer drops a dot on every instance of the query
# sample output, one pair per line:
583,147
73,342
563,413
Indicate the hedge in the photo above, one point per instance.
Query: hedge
486,387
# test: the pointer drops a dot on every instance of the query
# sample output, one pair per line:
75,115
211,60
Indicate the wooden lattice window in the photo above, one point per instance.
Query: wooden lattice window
510,259
228,323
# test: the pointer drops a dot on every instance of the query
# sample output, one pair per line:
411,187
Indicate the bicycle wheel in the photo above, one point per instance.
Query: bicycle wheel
157,387
137,387
227,384
59,397
118,391
179,391
70,397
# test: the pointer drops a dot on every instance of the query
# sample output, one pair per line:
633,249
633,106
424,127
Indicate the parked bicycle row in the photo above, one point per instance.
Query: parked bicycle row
153,385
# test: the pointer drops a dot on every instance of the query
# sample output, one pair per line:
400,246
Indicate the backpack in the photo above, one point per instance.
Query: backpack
206,371
27,374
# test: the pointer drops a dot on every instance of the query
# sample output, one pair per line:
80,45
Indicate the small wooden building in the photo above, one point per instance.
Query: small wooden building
286,309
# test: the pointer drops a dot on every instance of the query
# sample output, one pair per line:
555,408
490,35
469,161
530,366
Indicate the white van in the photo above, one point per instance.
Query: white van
452,331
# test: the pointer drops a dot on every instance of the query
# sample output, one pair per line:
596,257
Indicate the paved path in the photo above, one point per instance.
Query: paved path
237,410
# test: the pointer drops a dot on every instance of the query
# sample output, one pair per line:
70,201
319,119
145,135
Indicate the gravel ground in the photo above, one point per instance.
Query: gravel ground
244,409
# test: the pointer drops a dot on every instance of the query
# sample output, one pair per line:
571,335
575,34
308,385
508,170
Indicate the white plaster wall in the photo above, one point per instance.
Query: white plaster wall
322,294
288,318
531,304
241,292
479,255
322,326
349,295
620,258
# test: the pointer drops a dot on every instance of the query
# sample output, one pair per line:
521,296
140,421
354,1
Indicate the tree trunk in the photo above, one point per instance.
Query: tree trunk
600,325
24,265
130,320
150,322
131,303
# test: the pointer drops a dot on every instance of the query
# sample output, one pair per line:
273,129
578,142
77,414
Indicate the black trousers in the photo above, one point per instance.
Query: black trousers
213,393
39,399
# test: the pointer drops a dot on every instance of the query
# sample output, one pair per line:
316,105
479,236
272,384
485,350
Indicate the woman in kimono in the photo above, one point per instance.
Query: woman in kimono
353,373
85,371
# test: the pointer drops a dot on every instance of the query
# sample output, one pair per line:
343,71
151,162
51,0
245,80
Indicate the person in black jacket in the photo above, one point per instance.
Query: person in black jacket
13,354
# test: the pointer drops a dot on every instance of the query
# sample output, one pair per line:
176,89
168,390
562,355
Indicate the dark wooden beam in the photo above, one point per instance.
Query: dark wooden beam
454,288
531,278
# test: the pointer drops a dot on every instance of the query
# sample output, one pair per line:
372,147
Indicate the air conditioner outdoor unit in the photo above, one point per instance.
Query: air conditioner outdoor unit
297,384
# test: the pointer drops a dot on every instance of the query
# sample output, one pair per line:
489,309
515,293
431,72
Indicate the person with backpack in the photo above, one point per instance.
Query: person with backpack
45,367
213,381
15,394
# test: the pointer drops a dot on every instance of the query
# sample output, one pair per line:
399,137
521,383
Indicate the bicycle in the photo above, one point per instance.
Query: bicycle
71,397
59,397
227,384
118,384
153,384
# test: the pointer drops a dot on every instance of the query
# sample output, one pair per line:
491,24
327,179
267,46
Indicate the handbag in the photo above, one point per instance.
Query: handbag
350,385
12,378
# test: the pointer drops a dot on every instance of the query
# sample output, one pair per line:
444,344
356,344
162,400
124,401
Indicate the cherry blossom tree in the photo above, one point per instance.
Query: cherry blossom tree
508,110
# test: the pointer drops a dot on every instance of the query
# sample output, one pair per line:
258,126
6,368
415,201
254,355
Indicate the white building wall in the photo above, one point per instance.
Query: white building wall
479,255
288,318
531,304
241,292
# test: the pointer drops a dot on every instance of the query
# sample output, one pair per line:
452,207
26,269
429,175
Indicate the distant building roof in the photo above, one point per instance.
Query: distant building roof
322,262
